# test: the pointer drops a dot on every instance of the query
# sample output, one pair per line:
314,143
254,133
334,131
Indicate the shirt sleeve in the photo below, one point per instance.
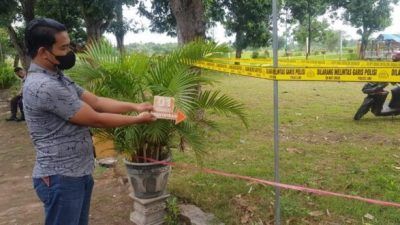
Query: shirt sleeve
79,90
60,100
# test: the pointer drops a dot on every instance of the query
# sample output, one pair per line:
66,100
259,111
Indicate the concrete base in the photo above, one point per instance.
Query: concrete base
149,211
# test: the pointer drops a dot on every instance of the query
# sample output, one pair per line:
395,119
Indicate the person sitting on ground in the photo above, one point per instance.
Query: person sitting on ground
16,101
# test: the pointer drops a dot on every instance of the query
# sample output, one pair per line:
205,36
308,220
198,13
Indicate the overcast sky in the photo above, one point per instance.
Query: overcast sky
218,33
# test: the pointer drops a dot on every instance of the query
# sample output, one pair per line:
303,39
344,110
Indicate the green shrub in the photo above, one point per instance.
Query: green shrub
349,50
172,217
352,56
298,54
266,53
255,55
7,77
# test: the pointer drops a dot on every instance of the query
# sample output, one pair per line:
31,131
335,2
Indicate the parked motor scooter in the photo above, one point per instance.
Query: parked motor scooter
376,101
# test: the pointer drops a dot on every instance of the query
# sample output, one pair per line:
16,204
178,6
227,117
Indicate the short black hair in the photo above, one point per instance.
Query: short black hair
41,33
17,69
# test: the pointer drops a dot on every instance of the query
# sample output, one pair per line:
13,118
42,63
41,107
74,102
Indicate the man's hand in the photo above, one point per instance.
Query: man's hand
146,117
144,107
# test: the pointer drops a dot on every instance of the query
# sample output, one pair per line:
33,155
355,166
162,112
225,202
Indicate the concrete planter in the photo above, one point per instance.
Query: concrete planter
149,180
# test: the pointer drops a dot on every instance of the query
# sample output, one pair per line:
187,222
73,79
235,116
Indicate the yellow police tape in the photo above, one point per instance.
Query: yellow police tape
312,63
348,74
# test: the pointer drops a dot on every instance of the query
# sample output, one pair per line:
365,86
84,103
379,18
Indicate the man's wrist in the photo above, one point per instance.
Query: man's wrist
133,107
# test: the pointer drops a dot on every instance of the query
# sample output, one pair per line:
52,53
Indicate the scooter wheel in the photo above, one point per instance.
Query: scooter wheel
364,109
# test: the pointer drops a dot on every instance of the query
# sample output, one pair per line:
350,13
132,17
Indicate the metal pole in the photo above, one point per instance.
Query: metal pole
306,47
276,112
286,33
341,45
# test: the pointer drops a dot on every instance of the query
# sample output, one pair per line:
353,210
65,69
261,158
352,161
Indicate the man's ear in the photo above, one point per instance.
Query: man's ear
42,51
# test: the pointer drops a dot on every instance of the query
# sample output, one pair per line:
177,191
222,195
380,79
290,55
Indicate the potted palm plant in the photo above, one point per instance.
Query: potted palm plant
138,78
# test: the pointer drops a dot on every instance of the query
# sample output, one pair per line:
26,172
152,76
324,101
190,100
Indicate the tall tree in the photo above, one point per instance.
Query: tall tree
249,21
97,15
305,11
318,32
6,48
332,39
160,15
120,26
186,19
17,10
190,19
368,15
66,12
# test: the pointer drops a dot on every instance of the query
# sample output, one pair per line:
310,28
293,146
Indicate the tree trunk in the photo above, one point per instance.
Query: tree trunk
120,43
190,19
95,27
19,47
93,30
363,47
239,53
28,13
120,32
28,10
364,42
16,60
2,58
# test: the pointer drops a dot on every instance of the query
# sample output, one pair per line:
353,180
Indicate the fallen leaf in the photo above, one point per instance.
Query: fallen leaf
328,213
293,150
250,190
369,216
396,167
316,213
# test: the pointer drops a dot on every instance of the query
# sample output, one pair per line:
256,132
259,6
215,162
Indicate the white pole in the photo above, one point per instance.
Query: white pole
341,45
276,112
306,45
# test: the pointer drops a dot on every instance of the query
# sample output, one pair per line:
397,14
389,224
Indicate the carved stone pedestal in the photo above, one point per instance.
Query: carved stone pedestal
149,211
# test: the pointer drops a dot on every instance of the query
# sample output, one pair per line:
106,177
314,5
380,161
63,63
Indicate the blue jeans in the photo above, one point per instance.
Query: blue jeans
66,199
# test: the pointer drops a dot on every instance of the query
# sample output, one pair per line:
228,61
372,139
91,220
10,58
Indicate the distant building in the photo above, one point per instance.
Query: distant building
383,47
392,41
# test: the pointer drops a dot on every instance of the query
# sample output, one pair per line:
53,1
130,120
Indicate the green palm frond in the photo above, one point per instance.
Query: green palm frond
106,73
222,104
100,54
191,134
178,82
128,138
201,49
159,132
192,52
137,78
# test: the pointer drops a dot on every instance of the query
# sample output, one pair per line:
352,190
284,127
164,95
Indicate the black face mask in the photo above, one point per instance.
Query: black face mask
67,61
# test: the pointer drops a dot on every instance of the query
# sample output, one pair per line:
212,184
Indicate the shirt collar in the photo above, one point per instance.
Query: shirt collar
35,68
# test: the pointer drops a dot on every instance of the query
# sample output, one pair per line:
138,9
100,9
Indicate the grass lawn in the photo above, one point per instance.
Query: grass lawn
320,147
